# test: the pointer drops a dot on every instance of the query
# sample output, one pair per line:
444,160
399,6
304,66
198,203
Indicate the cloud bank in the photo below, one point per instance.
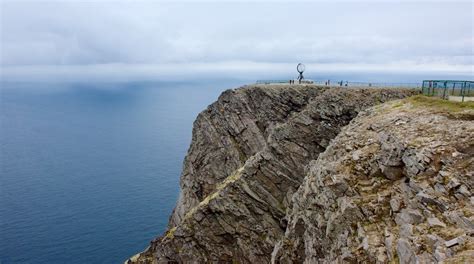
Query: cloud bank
134,40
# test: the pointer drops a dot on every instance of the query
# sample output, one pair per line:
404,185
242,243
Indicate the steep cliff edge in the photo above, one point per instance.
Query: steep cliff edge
394,186
229,132
246,160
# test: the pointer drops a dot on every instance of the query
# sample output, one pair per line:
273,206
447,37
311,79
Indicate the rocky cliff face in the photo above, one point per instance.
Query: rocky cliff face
249,195
394,186
229,132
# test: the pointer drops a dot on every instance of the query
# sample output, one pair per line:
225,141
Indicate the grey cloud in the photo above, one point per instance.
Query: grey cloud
74,33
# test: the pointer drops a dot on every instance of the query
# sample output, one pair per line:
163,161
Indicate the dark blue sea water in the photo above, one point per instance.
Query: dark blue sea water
89,172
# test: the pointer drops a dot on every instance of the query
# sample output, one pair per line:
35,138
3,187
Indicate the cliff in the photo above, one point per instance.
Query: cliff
255,188
394,186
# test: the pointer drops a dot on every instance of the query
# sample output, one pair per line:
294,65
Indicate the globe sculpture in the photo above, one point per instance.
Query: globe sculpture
300,68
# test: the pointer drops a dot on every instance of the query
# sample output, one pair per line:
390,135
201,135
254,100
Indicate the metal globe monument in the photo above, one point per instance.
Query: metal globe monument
300,68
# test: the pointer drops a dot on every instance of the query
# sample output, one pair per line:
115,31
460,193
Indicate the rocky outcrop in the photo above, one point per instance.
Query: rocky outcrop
394,186
229,132
248,156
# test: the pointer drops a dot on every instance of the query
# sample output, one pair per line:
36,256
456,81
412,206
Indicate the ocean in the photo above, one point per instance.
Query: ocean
89,173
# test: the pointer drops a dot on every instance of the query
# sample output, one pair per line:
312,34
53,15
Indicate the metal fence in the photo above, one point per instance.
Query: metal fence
347,83
380,84
272,81
448,89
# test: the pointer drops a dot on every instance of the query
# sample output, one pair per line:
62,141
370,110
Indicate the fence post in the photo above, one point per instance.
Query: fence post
444,91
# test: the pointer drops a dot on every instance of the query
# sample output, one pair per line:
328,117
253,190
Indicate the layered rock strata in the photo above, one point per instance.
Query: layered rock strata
248,156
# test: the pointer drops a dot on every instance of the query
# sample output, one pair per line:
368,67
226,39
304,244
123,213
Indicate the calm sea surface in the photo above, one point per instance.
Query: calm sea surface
89,172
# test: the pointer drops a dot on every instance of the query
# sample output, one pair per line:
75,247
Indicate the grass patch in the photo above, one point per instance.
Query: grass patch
440,104
398,104
229,180
170,233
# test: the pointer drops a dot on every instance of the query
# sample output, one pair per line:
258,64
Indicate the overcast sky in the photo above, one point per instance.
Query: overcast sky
135,40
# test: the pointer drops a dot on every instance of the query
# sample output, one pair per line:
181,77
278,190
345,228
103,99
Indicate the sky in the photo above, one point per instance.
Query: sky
154,40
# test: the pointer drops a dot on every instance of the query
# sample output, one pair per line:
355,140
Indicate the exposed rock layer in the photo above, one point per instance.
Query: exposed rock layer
395,185
248,157
229,132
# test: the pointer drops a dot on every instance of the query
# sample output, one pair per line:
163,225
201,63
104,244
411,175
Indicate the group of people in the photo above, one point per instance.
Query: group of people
293,81
328,82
